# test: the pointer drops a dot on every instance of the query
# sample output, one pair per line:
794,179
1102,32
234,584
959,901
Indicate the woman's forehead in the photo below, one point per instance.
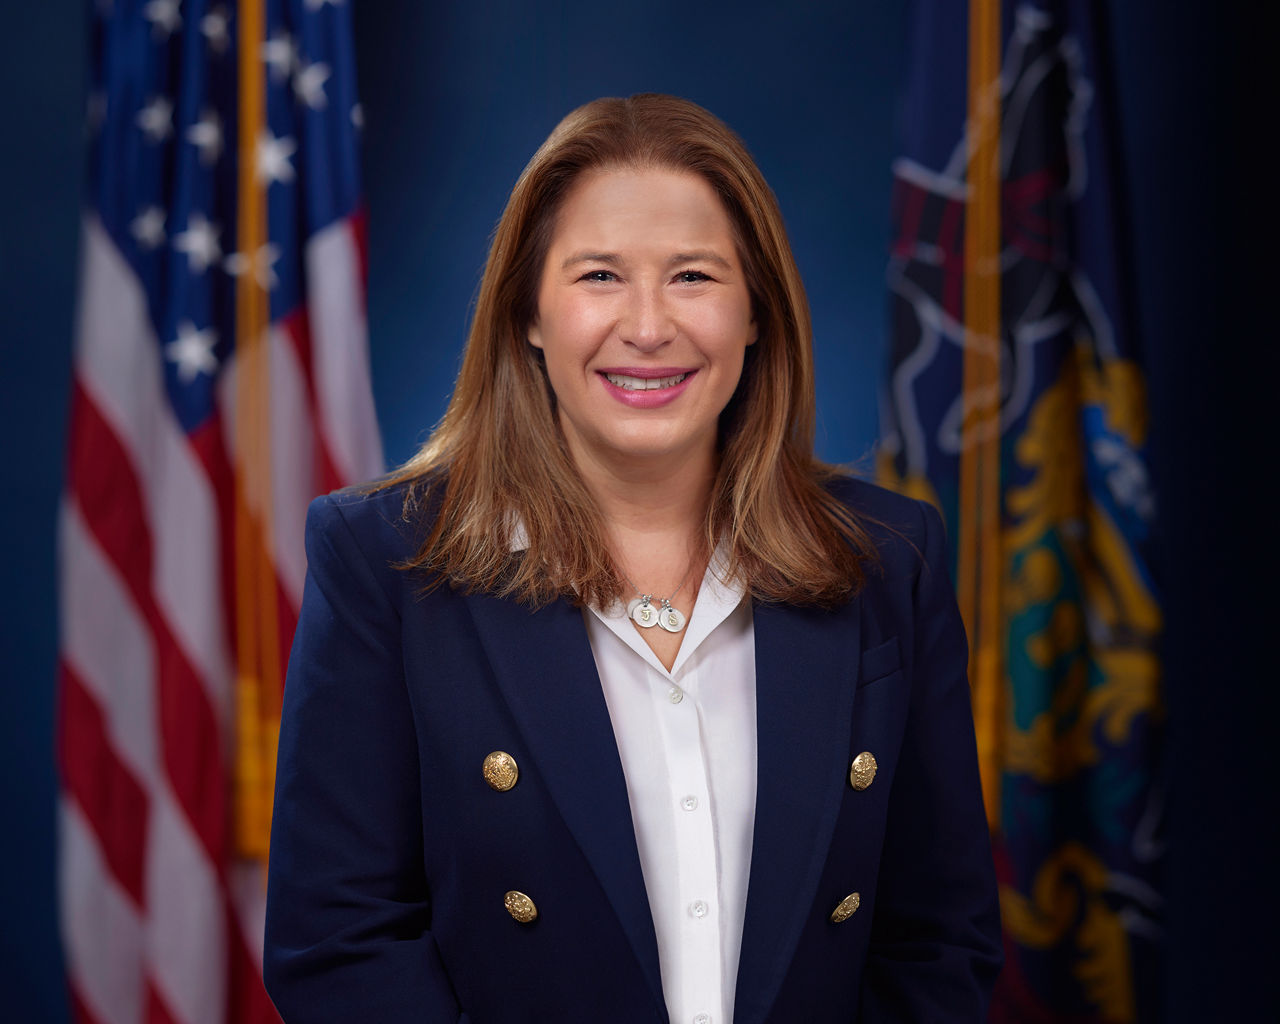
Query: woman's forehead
639,207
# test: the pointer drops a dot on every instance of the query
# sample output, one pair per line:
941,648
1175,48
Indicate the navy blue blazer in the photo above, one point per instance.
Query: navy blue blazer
390,855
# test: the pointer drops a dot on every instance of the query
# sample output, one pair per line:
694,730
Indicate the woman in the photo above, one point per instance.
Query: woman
613,703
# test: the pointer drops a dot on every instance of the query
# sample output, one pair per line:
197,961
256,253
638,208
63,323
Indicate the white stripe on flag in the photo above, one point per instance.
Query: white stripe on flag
293,460
186,922
101,933
108,646
340,345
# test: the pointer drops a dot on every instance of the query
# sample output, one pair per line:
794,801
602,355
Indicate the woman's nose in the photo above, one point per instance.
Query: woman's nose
647,322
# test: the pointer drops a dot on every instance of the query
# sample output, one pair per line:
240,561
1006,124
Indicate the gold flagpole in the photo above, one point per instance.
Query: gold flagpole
979,554
258,670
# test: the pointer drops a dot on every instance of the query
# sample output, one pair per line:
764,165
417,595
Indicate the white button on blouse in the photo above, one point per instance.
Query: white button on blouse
687,742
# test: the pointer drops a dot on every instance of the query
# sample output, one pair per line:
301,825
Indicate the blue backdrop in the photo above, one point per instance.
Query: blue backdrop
457,96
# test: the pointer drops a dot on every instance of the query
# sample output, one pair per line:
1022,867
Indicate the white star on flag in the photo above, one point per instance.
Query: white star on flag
148,227
156,119
259,263
200,243
308,84
272,157
206,136
357,116
192,351
279,55
315,5
214,27
164,17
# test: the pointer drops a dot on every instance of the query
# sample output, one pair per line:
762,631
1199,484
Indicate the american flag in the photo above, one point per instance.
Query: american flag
220,381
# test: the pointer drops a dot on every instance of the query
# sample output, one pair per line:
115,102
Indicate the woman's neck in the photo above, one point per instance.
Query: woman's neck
654,517
654,513
666,501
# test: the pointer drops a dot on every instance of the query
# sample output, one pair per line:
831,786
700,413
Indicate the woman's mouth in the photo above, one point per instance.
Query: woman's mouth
646,387
629,383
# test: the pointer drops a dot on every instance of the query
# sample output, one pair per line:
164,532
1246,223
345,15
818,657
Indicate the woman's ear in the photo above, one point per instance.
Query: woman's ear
534,334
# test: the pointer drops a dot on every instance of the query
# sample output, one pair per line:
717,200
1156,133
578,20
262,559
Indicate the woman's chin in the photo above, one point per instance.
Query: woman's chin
648,446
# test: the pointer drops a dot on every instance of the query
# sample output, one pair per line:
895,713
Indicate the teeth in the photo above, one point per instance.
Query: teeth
644,383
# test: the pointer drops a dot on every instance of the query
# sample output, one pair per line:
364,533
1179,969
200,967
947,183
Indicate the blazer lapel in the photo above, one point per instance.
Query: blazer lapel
806,670
543,664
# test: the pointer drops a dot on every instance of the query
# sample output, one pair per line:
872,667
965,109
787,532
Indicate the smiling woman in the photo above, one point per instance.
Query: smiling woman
614,702
643,320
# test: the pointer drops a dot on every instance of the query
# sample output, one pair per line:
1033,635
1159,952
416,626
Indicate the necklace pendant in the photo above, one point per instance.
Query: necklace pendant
643,613
669,618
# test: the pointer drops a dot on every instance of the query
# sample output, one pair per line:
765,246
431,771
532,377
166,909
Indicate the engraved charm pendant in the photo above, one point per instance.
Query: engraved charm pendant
670,619
643,613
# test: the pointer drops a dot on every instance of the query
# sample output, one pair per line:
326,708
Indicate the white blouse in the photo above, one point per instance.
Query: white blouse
687,741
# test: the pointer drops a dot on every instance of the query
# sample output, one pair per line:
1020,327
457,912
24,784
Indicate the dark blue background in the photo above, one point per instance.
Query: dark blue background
456,98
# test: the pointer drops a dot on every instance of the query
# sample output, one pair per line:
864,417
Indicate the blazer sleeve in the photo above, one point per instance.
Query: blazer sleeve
348,910
935,938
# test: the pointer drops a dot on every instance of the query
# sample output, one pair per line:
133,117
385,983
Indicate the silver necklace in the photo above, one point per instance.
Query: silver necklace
642,612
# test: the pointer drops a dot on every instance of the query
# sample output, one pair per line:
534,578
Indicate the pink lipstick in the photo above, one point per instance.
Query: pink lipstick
646,387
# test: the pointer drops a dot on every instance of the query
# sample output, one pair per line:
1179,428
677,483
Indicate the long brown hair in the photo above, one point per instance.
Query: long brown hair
498,459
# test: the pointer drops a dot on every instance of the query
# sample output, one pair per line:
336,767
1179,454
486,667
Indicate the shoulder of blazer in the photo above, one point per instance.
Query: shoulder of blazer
899,526
376,521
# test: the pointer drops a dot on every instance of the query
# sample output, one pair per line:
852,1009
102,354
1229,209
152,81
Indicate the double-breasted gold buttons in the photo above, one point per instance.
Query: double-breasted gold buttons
500,770
863,770
845,908
520,907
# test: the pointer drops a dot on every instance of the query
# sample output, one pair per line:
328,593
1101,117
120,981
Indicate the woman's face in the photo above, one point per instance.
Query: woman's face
643,318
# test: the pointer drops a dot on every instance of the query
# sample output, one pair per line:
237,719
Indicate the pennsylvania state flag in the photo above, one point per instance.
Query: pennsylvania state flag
1016,404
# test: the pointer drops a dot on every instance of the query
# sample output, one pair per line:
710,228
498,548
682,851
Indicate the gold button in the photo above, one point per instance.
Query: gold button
863,770
500,770
845,908
521,907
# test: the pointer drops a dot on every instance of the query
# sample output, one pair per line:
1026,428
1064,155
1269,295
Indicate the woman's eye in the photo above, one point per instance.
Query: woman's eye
691,277
599,275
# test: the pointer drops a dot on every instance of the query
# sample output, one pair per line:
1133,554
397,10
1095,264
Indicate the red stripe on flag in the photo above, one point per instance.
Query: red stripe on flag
156,1012
112,800
297,328
359,225
208,444
80,1012
107,491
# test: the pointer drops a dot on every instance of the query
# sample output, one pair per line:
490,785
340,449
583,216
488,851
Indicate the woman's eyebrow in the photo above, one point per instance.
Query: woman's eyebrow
613,259
591,257
700,256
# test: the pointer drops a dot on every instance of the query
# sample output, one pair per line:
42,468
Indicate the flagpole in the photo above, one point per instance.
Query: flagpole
980,543
258,678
